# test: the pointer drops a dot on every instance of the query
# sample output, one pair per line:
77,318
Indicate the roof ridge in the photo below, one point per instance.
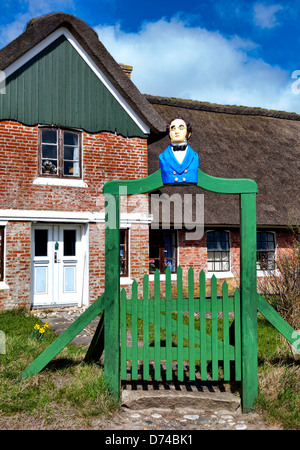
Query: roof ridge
226,109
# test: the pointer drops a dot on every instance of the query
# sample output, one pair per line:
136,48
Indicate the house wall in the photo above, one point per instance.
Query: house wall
105,156
15,292
194,254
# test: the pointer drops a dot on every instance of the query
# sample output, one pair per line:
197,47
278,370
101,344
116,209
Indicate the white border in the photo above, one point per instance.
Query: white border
100,75
73,217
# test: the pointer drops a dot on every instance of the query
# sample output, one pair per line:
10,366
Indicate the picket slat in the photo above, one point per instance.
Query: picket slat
226,332
237,336
168,324
191,324
214,328
134,331
179,325
203,356
145,327
123,335
157,372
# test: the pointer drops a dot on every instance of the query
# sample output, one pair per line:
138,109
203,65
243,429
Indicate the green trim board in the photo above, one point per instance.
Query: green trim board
57,87
65,338
154,182
278,322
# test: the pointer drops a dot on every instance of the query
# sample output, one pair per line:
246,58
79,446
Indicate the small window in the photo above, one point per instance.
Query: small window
2,237
163,250
218,251
265,250
40,242
124,253
69,242
60,153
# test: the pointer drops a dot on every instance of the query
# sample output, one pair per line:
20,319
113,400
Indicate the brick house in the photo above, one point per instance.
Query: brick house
70,120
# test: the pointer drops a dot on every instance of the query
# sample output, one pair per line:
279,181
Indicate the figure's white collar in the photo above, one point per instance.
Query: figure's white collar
180,154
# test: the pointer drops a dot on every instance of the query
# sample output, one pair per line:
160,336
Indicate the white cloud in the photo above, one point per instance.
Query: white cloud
30,9
265,15
172,59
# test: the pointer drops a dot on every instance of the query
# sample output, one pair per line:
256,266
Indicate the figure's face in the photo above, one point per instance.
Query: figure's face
178,131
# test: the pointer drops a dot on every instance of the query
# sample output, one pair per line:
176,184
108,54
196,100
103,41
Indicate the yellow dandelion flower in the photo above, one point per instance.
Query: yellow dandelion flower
36,326
46,325
42,330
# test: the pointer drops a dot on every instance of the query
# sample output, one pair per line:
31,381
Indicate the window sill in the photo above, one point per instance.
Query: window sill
3,286
227,274
43,181
125,280
267,273
162,277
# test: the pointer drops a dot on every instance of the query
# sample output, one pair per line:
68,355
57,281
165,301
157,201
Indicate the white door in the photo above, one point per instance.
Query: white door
57,262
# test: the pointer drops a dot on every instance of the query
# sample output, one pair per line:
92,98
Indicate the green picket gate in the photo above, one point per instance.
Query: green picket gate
202,346
191,331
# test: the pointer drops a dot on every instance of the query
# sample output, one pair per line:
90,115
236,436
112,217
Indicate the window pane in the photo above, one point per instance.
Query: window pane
217,266
40,242
210,266
69,242
71,168
217,256
210,245
49,165
49,151
71,153
49,136
123,253
225,256
153,251
70,138
153,264
162,250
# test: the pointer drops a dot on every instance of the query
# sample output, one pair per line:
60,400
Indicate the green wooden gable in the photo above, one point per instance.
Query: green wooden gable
58,87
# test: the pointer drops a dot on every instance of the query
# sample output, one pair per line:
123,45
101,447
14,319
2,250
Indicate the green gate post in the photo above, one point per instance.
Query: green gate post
248,301
112,293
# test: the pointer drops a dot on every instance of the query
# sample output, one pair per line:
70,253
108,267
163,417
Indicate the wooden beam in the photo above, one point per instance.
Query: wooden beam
248,301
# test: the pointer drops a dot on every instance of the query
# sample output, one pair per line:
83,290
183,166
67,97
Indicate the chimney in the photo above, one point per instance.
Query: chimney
126,69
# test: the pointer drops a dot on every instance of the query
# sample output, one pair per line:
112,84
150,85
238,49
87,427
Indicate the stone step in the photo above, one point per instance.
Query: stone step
173,399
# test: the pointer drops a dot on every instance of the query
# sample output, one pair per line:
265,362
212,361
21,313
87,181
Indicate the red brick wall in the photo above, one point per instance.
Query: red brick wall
17,267
194,253
105,156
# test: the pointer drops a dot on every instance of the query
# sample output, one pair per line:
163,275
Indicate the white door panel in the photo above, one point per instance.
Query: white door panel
57,261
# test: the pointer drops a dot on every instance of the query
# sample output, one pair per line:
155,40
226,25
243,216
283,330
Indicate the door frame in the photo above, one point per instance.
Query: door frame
83,239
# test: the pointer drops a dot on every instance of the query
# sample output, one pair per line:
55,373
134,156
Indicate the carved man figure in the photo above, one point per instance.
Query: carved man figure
179,163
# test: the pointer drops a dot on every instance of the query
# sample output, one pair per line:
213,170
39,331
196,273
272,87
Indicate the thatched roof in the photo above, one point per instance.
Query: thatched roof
240,142
42,27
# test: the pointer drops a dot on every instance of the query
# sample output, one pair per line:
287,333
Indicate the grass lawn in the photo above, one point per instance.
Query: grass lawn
69,390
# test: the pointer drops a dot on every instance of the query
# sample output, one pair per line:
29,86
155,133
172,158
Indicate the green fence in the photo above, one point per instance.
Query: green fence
192,331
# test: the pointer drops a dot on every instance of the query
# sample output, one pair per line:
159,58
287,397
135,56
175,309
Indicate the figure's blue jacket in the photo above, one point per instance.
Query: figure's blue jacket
174,172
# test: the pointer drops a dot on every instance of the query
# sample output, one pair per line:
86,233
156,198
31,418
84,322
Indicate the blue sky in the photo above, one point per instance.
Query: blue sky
222,51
